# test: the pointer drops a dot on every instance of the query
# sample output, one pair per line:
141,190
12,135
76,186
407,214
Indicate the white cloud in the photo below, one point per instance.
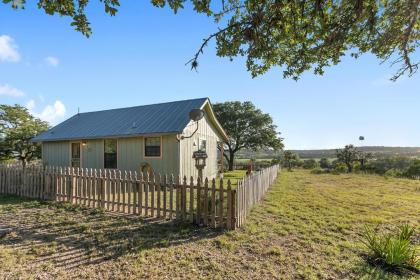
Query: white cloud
7,90
30,105
51,113
8,50
52,61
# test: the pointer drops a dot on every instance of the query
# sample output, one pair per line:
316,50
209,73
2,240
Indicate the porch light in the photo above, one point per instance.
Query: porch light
84,143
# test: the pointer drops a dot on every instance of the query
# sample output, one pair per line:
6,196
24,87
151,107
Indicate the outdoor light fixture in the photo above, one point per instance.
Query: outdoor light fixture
84,143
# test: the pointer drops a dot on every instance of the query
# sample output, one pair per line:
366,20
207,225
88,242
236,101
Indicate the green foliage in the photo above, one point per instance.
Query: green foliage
295,35
357,166
348,156
394,173
392,249
276,160
317,170
17,128
290,160
414,169
309,164
247,128
396,167
340,168
324,163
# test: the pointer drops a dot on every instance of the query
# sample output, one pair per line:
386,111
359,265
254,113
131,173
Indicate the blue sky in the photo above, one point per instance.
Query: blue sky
138,58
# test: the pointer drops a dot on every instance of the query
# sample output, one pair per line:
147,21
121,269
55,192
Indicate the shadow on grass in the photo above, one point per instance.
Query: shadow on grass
70,236
375,269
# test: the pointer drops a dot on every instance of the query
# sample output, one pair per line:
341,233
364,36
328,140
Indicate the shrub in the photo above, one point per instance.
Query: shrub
357,167
380,166
340,168
414,169
394,173
309,163
317,170
324,163
393,250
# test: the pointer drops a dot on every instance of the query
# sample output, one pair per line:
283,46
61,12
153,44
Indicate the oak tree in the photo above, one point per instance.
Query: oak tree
17,128
247,127
297,35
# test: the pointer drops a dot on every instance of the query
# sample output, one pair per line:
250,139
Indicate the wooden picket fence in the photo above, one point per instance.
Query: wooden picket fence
252,189
213,203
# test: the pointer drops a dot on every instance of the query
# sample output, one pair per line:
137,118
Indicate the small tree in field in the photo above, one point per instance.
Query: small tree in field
348,156
289,159
17,128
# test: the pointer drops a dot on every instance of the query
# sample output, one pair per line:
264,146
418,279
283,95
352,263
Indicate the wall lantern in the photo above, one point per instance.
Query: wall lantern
84,143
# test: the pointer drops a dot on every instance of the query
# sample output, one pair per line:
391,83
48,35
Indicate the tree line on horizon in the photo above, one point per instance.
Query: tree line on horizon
350,160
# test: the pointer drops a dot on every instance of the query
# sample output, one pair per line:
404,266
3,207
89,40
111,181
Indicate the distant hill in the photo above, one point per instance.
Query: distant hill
377,151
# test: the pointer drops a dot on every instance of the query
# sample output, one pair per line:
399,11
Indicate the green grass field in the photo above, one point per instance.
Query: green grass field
308,227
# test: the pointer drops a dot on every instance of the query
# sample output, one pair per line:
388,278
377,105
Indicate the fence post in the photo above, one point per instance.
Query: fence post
234,217
229,205
69,176
102,189
199,192
206,202
183,198
221,194
191,212
213,203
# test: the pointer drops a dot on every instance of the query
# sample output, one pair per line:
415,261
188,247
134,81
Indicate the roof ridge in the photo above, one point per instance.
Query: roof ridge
145,105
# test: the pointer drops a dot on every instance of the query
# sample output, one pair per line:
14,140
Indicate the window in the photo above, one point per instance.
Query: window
152,147
75,155
110,154
202,144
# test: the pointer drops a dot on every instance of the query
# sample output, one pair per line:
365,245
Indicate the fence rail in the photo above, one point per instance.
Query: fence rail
213,203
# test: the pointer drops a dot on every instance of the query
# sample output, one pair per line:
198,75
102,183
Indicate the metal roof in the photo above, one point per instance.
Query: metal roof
163,118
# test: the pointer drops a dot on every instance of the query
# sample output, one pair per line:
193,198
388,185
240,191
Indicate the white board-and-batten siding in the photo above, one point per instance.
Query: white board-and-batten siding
130,154
206,131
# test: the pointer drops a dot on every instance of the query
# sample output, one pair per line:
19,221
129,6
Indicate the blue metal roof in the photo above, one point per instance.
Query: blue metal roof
163,118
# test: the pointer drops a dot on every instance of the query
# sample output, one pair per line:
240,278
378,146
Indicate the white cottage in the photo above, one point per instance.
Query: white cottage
158,138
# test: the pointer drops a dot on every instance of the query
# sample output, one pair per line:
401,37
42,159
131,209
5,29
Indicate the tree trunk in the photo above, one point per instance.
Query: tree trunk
231,160
23,163
349,168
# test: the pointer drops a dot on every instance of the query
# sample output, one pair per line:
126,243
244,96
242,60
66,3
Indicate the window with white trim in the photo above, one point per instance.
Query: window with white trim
110,153
152,147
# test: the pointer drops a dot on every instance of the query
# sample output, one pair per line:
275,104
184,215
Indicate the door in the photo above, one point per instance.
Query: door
75,155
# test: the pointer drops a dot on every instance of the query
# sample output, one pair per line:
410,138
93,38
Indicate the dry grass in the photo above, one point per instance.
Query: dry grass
308,227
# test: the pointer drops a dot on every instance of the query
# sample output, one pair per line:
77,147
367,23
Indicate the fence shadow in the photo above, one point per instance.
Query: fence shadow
70,236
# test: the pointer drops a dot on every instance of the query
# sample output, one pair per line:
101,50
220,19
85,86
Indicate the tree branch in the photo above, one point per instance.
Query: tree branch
194,60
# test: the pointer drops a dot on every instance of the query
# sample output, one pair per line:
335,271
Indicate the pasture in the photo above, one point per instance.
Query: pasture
308,227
